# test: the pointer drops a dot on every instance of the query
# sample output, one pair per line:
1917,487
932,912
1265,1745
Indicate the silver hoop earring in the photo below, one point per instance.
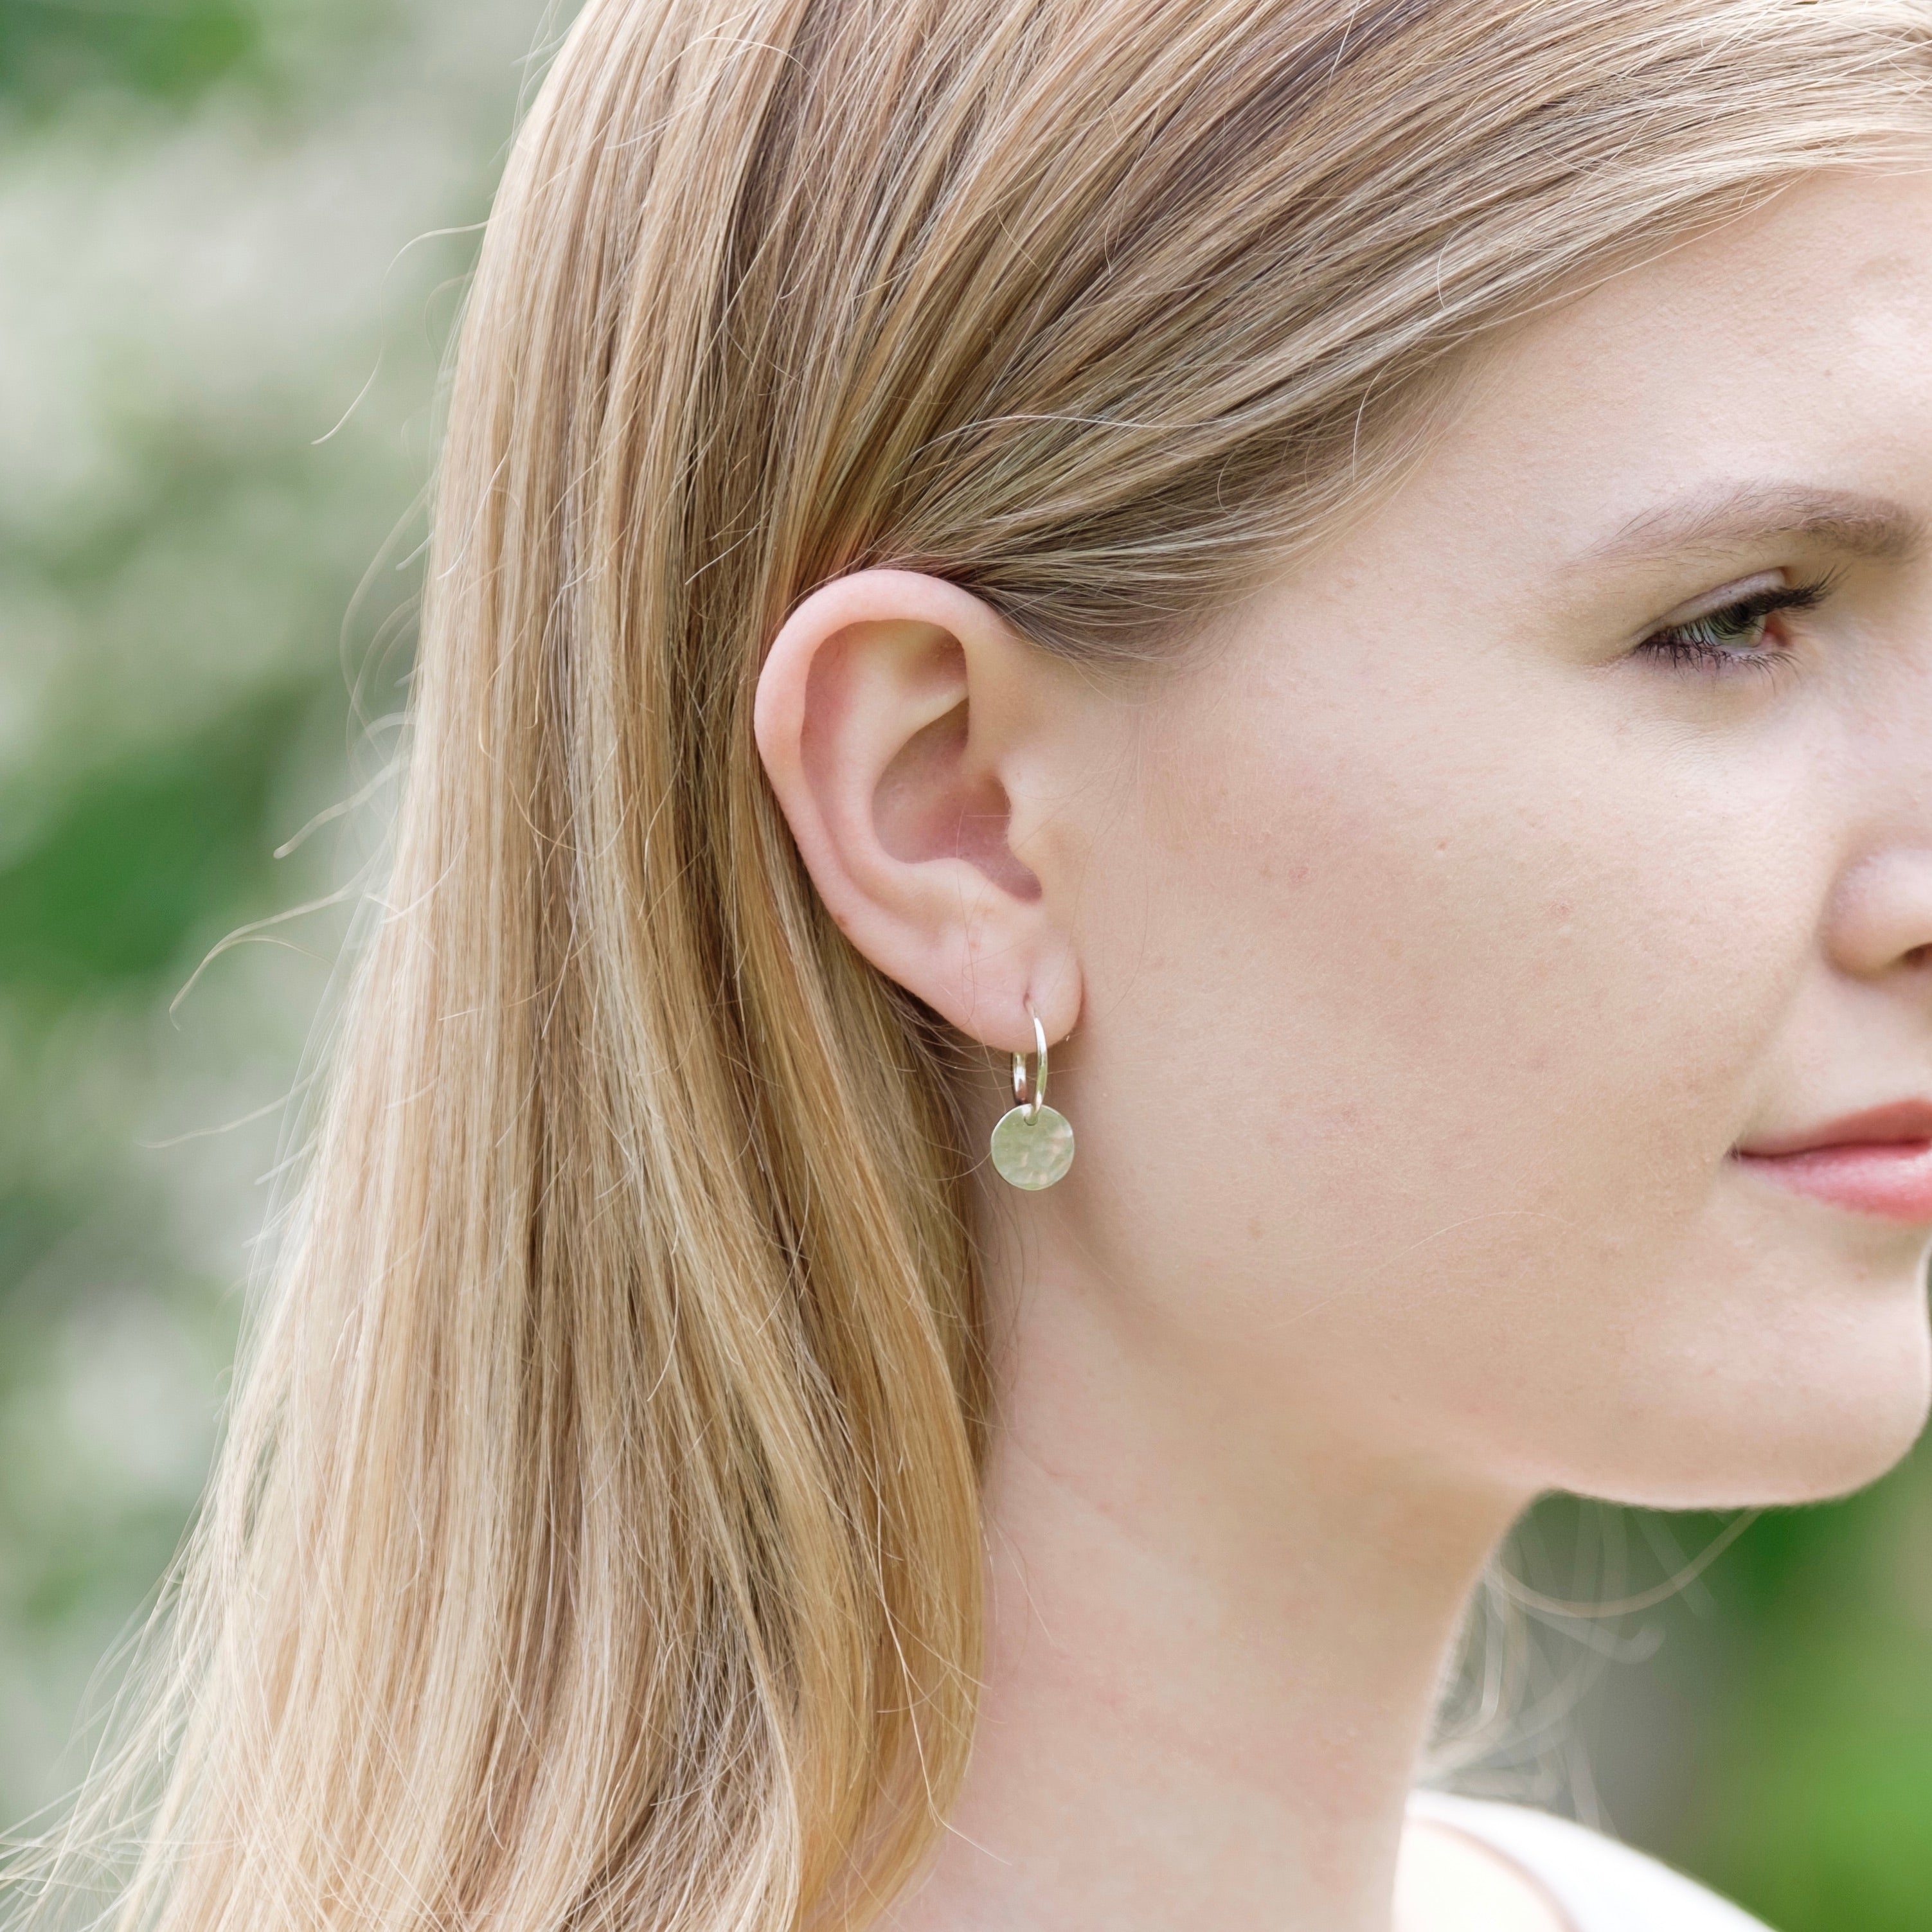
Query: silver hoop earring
1033,1145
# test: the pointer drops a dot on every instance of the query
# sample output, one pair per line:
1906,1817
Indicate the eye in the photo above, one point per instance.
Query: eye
1736,634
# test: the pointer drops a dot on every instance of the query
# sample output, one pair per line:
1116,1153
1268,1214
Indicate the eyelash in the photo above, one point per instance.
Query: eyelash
1698,643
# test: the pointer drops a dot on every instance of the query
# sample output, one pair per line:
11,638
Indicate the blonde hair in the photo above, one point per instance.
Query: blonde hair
595,1543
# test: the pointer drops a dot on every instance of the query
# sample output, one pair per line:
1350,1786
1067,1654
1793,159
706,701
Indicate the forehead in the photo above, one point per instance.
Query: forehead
1785,351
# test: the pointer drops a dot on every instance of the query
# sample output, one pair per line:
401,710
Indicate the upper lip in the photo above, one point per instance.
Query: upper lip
1896,1121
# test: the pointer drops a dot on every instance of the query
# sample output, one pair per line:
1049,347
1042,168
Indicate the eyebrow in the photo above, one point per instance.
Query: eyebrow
1861,527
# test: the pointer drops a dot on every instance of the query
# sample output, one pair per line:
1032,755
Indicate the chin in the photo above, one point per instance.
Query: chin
1756,1386
1848,1446
1841,1420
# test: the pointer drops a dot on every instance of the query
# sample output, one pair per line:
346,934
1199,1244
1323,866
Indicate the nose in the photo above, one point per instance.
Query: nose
1881,922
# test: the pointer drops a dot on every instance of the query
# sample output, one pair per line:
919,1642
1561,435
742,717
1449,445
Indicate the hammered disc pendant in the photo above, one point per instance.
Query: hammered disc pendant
1032,1146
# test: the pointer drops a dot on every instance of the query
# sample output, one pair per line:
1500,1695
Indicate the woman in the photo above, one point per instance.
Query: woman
1351,573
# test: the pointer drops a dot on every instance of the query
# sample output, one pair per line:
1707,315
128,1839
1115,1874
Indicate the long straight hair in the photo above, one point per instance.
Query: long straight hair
595,1542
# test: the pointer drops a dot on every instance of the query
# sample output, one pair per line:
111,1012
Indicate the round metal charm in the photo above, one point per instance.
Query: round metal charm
1033,1146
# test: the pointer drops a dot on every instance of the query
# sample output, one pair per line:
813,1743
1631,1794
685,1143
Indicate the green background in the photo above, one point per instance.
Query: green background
226,277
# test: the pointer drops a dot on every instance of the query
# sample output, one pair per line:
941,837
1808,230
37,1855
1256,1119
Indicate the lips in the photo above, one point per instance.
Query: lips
1879,1162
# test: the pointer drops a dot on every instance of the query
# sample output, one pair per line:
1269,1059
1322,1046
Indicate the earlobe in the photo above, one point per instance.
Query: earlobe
891,713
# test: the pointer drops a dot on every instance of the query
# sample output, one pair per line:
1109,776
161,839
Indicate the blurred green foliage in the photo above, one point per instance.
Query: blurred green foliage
122,876
210,213
207,207
50,50
1817,1806
173,52
1768,1726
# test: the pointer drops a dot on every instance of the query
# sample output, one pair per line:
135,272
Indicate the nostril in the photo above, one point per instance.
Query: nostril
1880,920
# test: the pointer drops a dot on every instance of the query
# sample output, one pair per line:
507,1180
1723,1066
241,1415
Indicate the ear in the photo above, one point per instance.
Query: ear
901,725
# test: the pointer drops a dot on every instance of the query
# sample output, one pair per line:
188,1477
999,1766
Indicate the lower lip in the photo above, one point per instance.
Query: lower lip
1892,1178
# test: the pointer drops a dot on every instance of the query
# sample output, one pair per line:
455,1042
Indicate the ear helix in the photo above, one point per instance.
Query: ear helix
1032,1144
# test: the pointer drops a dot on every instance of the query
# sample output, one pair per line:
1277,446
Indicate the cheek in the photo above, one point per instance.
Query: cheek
1451,1030
1454,969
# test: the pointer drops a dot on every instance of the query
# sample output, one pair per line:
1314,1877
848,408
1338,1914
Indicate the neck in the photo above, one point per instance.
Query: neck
1216,1632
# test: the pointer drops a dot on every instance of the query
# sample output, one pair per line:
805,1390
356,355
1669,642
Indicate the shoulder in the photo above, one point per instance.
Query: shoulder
1598,1885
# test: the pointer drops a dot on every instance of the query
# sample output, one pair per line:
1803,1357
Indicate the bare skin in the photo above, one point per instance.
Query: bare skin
1425,950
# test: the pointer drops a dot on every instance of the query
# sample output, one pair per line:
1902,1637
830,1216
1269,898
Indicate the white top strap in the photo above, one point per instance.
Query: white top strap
1599,1884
